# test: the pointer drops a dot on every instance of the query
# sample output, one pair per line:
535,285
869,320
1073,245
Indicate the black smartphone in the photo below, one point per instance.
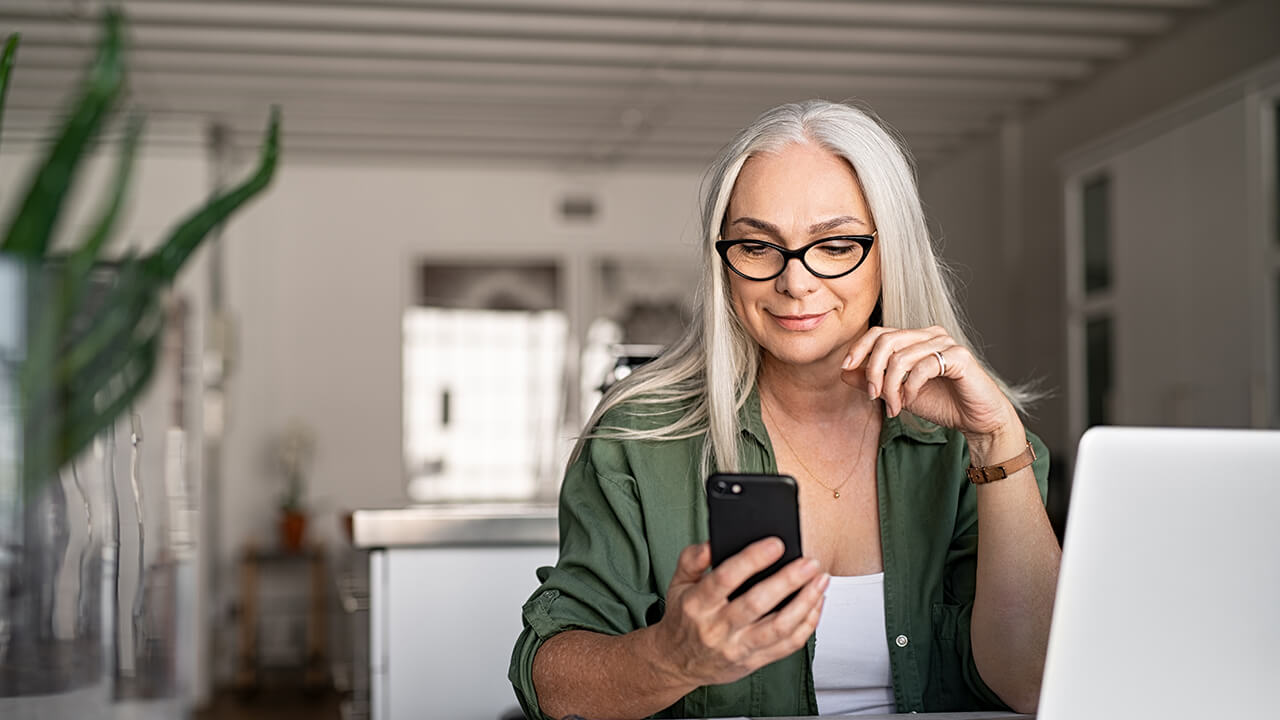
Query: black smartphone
744,508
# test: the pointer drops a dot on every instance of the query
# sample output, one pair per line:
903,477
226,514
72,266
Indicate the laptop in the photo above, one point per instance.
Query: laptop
1168,600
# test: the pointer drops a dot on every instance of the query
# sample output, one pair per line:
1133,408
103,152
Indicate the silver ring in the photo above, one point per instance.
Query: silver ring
942,363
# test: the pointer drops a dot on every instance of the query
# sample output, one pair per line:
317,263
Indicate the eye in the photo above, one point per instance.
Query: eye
839,249
751,249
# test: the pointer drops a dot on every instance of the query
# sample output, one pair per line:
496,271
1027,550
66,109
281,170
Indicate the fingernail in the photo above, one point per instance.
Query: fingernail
871,390
848,362
825,581
813,564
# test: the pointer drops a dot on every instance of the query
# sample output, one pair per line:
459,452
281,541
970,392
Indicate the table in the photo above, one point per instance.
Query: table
252,564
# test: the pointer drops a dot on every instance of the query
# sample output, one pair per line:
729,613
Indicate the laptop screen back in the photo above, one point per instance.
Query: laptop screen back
1168,600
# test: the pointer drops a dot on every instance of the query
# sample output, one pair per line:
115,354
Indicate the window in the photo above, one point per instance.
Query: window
1099,330
1275,265
1098,354
1097,234
483,382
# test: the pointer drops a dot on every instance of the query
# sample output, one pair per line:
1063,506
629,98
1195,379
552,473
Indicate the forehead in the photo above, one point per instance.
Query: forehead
802,179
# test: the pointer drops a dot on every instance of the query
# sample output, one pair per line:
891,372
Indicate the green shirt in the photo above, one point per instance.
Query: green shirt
627,509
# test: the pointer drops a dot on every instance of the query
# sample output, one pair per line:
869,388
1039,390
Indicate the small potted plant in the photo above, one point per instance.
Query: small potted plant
293,450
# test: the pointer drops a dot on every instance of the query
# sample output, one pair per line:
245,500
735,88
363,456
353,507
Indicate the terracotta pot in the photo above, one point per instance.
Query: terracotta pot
293,526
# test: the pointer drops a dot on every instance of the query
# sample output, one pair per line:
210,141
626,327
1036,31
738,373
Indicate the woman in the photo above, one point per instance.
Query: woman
826,347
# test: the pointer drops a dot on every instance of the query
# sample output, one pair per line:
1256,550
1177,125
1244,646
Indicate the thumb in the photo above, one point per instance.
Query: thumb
694,562
856,378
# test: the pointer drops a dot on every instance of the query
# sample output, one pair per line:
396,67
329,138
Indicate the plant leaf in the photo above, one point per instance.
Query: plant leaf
32,226
84,256
186,237
6,65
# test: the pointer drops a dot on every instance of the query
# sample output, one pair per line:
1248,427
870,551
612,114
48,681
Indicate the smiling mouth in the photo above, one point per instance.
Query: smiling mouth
799,322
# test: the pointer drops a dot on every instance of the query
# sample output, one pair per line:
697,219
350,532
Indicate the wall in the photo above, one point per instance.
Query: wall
319,276
1019,304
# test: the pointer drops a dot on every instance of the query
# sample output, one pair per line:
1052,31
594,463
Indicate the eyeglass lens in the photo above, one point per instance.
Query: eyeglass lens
833,257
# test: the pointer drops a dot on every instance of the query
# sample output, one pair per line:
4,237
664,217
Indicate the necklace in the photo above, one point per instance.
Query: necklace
835,491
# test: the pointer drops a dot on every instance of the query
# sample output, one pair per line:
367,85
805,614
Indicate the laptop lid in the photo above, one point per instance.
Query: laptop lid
1168,599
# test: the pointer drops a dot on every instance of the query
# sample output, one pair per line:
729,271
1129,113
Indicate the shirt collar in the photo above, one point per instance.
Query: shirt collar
892,428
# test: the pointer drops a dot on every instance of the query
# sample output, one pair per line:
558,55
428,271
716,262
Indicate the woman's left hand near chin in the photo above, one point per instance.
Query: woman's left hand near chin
902,368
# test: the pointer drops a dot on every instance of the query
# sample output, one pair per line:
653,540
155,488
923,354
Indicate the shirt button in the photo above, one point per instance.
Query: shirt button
901,641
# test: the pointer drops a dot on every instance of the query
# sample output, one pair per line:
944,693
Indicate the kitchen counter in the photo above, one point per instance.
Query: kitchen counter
504,524
446,583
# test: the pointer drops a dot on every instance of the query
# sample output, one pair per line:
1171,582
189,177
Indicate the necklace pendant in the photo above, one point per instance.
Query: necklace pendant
835,494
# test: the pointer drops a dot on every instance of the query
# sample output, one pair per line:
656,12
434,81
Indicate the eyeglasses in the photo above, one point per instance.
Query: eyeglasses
827,258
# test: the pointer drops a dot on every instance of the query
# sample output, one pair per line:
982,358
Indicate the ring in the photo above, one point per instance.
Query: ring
942,363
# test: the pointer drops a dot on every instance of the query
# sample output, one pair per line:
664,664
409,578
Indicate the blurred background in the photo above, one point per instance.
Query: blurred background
486,212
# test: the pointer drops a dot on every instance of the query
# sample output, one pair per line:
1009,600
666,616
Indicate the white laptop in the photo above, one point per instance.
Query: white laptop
1168,601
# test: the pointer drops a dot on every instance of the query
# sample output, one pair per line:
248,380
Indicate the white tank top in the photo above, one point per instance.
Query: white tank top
851,655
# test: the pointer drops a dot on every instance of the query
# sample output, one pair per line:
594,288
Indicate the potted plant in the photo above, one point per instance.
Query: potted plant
79,341
293,450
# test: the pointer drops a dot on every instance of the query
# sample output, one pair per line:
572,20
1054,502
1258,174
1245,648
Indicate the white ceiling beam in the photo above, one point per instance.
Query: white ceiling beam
709,86
1083,17
198,63
657,55
373,22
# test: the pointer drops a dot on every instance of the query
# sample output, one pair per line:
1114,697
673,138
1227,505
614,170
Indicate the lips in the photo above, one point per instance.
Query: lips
799,323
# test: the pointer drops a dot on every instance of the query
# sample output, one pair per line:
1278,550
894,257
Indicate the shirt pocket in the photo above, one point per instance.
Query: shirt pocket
945,677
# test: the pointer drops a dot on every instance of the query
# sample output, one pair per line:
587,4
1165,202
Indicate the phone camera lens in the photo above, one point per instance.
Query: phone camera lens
736,489
722,486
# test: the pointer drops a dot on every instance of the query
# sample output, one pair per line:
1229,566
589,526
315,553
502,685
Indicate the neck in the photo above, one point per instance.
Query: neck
812,392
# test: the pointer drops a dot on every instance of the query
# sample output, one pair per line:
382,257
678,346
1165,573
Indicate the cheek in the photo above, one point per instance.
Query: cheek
739,296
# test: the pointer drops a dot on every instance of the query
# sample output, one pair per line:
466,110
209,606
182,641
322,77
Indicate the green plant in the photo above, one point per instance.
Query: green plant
88,358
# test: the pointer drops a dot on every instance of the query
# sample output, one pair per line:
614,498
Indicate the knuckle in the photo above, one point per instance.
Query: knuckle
754,604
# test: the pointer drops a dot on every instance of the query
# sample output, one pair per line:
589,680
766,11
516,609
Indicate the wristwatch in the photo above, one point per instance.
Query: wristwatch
991,473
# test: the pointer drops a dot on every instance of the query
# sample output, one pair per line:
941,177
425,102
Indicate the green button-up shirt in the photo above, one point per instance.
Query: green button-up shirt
627,509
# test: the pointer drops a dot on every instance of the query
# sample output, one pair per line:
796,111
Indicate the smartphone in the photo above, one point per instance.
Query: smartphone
744,508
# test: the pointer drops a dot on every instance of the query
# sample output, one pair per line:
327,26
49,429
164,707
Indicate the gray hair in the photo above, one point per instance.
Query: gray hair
701,382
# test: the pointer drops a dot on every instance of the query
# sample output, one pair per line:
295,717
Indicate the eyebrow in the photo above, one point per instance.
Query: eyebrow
814,229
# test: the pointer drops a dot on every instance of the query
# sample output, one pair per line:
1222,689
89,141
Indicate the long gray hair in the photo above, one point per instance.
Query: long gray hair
700,383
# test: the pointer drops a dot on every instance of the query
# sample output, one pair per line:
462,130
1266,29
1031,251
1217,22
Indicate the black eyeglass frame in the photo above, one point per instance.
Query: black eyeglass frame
866,241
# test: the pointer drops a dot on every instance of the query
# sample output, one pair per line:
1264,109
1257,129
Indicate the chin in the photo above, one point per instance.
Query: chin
800,354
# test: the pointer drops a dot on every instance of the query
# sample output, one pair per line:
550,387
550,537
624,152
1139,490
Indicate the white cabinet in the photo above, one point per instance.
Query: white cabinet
443,622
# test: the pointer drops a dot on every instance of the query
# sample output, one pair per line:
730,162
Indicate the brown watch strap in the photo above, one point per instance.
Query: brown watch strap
991,473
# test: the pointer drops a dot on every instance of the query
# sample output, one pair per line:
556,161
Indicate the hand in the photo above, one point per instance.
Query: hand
900,367
709,640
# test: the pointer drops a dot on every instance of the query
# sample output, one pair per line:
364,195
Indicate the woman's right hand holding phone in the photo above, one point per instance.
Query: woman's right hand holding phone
708,639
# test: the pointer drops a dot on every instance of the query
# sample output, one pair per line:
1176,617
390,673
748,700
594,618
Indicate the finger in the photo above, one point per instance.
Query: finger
734,571
904,361
860,347
927,368
692,563
797,636
855,378
803,603
885,347
765,596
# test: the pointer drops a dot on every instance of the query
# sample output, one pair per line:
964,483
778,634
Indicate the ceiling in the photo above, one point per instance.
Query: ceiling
572,82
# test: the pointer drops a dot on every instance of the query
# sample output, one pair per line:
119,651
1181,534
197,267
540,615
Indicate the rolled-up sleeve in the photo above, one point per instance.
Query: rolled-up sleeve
602,581
952,617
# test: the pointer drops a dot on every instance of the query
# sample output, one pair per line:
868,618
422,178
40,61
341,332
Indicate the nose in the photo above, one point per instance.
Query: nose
795,280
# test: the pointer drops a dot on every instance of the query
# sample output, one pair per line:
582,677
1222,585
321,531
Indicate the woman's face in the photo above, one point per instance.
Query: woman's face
793,197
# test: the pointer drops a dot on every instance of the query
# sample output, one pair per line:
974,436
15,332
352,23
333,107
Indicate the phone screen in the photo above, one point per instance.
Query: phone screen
744,508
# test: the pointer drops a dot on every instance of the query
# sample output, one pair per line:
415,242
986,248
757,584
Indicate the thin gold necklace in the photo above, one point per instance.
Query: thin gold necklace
835,491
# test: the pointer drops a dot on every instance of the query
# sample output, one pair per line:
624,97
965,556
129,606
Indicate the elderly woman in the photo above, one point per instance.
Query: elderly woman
826,346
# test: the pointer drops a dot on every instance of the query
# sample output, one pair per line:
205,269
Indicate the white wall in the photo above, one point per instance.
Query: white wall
1181,276
320,273
1019,304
